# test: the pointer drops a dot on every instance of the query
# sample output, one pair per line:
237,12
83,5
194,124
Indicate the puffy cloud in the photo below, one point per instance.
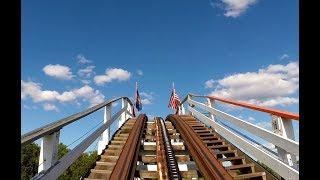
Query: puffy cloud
270,86
112,74
251,119
87,92
86,72
264,125
139,72
284,56
58,71
34,91
209,83
115,104
85,81
67,96
148,97
82,60
276,101
50,107
234,8
145,101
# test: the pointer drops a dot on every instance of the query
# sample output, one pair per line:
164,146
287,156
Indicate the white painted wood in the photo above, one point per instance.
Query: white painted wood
105,137
124,115
129,114
129,110
183,110
68,159
276,165
285,143
211,104
285,129
49,151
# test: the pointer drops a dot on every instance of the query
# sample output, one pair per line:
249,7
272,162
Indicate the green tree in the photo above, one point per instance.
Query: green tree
29,160
80,167
62,150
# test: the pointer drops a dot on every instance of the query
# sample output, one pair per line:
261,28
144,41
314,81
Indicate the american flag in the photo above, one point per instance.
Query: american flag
174,100
138,103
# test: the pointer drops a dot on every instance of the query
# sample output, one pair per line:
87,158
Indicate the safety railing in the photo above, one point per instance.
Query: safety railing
49,166
282,134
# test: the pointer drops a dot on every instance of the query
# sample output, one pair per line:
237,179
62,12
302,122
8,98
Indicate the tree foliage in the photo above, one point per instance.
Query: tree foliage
30,159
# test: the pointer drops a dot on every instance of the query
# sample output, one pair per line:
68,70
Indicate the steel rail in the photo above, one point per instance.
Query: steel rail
126,164
161,153
208,165
284,114
57,125
171,161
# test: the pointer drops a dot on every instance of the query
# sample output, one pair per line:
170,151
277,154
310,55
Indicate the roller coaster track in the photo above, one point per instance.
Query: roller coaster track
181,146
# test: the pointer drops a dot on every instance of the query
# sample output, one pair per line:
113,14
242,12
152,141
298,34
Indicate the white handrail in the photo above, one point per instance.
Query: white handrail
278,166
285,143
54,171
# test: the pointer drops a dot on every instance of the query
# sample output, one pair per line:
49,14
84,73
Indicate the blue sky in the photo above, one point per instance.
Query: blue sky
204,47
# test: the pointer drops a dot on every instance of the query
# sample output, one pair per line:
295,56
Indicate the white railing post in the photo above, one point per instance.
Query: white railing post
129,109
285,129
183,110
124,115
105,137
189,112
49,151
211,104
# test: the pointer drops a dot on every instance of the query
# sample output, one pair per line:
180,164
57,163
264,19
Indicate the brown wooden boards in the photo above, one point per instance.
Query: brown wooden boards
208,165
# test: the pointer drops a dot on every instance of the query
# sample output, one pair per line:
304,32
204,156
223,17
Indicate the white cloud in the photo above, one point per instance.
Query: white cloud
58,71
264,125
139,72
50,107
267,87
148,97
87,92
115,104
86,72
85,81
67,96
284,56
35,92
145,101
209,83
82,60
283,101
251,119
112,74
234,8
